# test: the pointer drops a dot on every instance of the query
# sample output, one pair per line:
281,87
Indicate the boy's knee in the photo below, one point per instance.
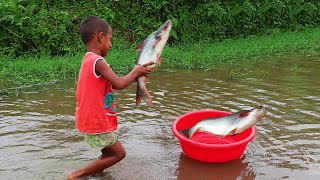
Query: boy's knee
121,154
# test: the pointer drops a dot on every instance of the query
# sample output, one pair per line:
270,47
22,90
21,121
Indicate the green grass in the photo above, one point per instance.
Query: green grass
205,55
28,70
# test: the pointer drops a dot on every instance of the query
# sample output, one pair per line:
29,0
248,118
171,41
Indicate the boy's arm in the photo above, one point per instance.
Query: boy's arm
121,82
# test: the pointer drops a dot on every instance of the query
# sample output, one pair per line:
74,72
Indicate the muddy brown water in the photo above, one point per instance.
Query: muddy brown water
38,139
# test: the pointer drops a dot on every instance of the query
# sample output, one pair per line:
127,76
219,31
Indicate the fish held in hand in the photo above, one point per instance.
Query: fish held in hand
150,51
228,125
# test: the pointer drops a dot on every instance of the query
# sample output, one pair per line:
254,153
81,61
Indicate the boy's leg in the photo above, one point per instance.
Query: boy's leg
110,156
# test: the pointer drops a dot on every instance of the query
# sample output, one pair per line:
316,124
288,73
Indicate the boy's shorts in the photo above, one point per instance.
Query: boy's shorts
100,140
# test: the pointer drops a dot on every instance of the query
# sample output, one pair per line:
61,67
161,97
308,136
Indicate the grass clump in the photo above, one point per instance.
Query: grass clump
205,55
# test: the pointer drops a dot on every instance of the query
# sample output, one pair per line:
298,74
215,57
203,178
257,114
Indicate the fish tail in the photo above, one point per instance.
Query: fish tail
192,131
185,132
142,93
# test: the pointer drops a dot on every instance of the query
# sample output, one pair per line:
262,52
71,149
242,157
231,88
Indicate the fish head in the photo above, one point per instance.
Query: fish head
253,115
248,118
163,32
259,112
160,38
150,49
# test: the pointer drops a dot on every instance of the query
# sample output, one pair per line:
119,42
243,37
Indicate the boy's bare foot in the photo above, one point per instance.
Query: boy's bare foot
73,176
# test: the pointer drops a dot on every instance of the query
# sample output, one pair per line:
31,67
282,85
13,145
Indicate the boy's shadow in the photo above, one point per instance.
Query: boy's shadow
189,169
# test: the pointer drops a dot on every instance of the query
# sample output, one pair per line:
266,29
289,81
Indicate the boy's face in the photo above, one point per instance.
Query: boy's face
106,42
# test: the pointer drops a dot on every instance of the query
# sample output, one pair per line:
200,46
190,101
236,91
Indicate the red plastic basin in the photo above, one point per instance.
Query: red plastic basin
207,147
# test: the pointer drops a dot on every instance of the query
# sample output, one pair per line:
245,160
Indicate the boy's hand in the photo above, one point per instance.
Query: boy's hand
143,69
147,64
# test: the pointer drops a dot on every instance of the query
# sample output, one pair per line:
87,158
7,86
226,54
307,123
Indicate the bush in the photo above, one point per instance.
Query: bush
51,26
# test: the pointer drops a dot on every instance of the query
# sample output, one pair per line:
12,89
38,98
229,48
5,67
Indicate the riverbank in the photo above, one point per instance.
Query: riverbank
26,71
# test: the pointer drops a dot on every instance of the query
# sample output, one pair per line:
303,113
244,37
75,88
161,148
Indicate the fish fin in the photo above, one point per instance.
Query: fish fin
232,132
192,131
143,94
138,48
159,59
185,132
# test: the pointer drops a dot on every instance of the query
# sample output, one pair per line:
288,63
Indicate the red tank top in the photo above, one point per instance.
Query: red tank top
95,111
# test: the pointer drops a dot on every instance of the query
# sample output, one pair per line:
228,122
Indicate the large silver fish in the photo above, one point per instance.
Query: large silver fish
150,50
230,124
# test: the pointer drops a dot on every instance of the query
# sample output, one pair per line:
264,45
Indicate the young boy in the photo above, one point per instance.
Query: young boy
95,112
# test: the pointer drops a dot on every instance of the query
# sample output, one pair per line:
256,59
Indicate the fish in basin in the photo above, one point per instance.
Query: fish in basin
228,125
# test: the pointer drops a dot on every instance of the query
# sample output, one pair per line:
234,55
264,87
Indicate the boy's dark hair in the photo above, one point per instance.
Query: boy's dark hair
91,25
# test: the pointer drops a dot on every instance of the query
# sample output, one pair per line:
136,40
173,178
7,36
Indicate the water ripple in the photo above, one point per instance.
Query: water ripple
39,140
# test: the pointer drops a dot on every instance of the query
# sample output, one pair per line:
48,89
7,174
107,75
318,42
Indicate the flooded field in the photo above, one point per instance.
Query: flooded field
39,141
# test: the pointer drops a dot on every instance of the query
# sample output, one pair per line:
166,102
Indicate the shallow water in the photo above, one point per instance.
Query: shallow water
38,139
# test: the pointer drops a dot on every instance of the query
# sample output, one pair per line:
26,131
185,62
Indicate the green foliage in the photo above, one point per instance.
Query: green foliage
40,27
206,55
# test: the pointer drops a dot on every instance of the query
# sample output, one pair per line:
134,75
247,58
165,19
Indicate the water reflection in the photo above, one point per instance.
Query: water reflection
39,141
189,169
